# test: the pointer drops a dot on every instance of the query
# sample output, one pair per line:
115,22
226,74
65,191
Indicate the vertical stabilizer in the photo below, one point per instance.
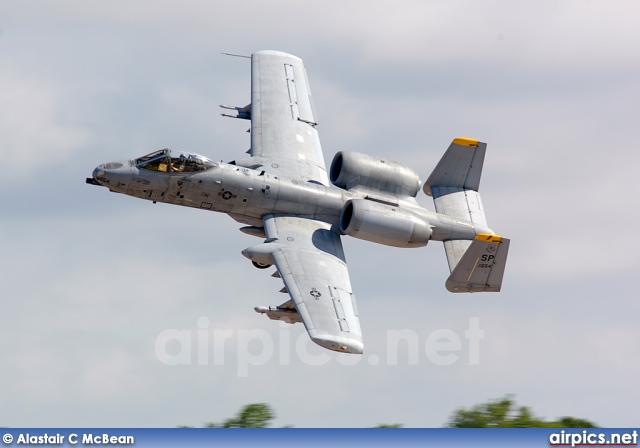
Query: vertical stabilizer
454,185
481,268
460,166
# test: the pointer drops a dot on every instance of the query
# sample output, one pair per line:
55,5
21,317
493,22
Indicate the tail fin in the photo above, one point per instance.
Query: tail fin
454,187
460,166
481,267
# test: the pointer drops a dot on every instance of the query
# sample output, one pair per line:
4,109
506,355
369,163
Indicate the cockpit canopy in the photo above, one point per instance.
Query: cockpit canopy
172,161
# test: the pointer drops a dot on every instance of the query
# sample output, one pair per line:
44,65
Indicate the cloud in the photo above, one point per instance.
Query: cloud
92,278
35,126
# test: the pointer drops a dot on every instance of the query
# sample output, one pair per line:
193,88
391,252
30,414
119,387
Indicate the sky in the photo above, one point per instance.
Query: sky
102,293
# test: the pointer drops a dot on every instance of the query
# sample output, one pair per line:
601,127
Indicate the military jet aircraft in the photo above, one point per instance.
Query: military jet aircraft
281,193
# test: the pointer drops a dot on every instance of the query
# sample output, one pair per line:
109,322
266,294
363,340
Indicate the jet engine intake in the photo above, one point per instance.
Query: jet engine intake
384,224
352,169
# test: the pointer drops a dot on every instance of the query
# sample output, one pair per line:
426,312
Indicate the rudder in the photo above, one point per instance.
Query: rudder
481,268
454,185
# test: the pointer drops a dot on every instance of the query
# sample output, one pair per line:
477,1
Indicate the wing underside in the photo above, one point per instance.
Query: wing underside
310,260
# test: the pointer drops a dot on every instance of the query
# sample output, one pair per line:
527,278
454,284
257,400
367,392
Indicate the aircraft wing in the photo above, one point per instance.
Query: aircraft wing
310,260
284,138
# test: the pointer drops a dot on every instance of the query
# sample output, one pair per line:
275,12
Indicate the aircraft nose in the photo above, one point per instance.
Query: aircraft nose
110,174
98,172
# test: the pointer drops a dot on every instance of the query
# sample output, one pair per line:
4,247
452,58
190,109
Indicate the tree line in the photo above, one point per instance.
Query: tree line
500,413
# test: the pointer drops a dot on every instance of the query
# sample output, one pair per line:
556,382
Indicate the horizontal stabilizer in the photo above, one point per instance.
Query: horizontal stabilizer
481,267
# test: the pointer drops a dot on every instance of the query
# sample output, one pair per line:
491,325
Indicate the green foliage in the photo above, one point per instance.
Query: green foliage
257,415
570,422
502,413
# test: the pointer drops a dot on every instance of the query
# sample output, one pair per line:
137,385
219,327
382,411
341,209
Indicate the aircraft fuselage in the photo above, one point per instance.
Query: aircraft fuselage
247,195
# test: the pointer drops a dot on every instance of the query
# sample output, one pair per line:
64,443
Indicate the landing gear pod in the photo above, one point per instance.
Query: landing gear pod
260,265
261,255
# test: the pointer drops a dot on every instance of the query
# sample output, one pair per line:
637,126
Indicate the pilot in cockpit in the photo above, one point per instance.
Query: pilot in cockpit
178,164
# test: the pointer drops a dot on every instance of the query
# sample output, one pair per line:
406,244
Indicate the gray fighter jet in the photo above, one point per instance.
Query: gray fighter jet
282,193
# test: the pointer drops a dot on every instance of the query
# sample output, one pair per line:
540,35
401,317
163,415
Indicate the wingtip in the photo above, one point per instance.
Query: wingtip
276,53
339,344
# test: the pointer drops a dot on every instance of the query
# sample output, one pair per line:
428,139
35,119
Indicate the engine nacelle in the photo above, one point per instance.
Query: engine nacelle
353,169
384,224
